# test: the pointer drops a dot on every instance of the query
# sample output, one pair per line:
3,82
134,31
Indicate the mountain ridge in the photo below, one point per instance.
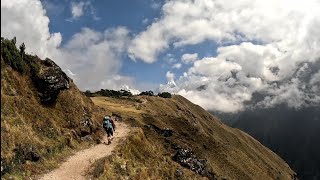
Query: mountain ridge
44,117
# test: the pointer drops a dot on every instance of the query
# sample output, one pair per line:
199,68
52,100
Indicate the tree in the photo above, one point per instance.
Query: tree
147,93
14,40
88,93
165,95
22,48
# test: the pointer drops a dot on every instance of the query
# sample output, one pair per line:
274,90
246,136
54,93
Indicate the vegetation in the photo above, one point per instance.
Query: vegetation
165,95
148,152
146,93
35,137
109,93
12,56
18,60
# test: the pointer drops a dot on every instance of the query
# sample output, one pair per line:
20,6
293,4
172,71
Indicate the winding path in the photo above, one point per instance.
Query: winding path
76,166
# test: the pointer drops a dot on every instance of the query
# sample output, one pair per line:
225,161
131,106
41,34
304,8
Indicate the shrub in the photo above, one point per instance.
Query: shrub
12,56
111,93
88,93
165,95
147,93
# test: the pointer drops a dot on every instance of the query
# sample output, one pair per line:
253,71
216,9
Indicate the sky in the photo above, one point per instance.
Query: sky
217,53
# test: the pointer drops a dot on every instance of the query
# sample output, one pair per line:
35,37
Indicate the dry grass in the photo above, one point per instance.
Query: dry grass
230,153
115,105
52,132
55,131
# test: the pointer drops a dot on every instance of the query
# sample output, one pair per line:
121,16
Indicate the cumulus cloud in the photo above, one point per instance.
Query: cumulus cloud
91,58
94,57
27,20
189,58
79,9
177,66
273,52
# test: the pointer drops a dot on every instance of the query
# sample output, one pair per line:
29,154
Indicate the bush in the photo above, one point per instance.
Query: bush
110,93
165,95
147,93
88,93
12,56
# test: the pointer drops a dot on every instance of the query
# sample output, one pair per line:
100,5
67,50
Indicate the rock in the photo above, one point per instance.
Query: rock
86,127
166,132
33,156
188,159
49,81
87,138
178,172
24,153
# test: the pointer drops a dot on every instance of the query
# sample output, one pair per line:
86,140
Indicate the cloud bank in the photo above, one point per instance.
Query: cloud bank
272,42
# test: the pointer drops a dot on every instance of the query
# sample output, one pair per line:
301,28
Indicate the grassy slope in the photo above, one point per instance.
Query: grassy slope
49,131
231,153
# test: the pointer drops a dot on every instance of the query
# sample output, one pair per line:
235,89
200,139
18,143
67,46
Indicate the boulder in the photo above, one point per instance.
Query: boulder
49,81
188,159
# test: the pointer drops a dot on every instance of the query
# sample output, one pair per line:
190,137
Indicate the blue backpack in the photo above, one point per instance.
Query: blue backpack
106,123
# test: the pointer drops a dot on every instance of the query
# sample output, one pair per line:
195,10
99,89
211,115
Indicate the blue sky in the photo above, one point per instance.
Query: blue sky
136,17
229,48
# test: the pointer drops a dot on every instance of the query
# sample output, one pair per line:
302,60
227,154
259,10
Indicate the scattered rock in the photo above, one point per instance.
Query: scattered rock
178,172
49,81
87,138
188,159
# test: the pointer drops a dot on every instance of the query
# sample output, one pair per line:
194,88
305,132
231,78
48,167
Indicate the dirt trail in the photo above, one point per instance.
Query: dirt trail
76,166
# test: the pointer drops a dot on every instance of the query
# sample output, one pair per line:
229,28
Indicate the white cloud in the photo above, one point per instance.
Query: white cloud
145,21
177,66
191,22
94,57
133,91
269,40
91,58
189,58
27,20
170,76
155,5
77,9
142,48
169,58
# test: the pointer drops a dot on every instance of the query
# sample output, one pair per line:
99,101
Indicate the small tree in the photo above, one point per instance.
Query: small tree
147,93
88,93
22,49
14,40
165,95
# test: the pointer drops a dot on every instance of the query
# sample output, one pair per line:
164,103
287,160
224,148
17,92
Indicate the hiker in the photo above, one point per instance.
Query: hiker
109,127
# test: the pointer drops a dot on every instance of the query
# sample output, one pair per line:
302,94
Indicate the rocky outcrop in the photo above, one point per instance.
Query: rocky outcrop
188,159
49,81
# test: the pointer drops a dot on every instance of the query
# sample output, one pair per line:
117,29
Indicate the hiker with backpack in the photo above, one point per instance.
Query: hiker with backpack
109,127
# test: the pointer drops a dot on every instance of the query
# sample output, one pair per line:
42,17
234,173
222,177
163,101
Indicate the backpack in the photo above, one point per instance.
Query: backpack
107,124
